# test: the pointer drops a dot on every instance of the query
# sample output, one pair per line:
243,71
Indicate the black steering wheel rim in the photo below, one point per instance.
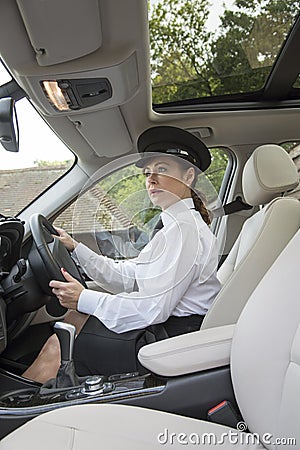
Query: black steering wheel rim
50,256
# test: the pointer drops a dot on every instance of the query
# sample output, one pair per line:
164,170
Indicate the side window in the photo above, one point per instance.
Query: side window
116,216
293,148
217,169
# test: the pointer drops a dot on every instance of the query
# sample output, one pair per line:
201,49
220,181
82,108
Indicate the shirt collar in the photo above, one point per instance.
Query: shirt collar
182,206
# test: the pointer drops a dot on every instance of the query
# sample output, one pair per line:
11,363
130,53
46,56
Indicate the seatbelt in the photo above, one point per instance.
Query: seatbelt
225,414
158,226
236,205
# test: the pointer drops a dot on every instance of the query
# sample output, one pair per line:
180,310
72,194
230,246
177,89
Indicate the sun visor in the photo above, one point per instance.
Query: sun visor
104,131
61,31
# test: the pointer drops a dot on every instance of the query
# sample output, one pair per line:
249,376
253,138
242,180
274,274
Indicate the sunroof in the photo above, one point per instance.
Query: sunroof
204,49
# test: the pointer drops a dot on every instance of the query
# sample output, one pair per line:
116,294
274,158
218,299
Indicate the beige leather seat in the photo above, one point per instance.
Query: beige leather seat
265,367
267,175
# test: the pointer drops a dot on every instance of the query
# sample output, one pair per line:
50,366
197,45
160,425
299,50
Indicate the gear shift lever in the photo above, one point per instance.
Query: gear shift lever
66,375
66,336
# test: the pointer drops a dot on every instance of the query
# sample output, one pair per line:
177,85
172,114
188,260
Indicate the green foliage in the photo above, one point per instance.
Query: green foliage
249,42
188,61
122,184
179,48
126,188
289,146
215,173
53,164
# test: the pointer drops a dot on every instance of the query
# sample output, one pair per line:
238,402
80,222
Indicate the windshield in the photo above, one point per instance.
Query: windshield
42,159
202,48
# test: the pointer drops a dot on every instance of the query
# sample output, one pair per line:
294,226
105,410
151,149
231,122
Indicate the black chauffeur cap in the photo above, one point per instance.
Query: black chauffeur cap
173,141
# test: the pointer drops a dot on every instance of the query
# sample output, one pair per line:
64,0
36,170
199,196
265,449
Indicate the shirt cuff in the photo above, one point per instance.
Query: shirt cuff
88,301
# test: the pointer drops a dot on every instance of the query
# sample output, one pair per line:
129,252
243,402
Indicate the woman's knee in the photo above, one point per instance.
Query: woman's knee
77,319
51,347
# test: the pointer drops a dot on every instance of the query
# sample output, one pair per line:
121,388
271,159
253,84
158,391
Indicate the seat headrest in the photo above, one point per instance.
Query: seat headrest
269,172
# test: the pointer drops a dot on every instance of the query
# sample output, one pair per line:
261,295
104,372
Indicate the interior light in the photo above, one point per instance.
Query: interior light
56,96
74,94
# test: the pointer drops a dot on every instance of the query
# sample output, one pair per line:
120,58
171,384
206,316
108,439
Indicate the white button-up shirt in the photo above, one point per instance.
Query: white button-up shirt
175,275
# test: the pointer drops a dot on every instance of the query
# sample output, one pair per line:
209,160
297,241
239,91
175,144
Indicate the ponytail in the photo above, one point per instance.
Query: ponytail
199,206
196,195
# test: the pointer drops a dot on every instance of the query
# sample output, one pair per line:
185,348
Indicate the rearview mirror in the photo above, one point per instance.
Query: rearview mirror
9,130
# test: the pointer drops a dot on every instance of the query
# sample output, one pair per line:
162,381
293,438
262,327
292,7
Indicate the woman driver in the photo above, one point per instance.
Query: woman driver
167,289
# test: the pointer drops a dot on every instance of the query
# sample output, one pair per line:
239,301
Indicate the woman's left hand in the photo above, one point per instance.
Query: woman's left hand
66,239
67,292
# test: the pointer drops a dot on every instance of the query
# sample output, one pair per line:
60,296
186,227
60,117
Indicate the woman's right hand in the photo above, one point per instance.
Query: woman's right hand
66,239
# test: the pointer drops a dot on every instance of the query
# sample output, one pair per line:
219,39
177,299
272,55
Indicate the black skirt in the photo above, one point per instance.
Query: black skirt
98,350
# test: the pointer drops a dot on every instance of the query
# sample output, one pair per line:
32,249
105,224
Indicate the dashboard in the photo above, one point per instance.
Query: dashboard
3,335
20,293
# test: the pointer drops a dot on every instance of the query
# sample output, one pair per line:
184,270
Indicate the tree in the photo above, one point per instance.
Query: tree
215,172
126,188
189,61
179,48
53,164
251,35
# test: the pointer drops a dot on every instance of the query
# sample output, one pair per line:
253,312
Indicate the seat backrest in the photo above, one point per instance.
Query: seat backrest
268,174
265,356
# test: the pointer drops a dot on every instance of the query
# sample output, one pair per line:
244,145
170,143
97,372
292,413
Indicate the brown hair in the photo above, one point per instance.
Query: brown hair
196,195
200,206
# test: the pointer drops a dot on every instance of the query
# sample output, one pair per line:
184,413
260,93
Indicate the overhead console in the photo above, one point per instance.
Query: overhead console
69,48
55,28
94,66
74,94
90,101
89,90
60,32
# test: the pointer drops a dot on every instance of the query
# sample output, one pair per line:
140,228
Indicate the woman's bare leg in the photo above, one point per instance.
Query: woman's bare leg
77,319
47,363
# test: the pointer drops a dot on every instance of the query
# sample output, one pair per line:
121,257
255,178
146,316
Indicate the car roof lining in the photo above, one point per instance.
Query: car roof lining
125,31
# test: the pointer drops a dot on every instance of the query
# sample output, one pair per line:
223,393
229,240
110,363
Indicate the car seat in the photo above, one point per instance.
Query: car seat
265,369
268,174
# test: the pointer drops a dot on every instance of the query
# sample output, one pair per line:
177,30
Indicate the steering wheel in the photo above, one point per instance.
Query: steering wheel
46,259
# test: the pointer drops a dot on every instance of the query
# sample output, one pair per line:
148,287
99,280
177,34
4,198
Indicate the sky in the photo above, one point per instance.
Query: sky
217,8
37,141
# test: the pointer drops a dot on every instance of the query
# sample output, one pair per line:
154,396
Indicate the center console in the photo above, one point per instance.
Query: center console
189,394
24,400
34,400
